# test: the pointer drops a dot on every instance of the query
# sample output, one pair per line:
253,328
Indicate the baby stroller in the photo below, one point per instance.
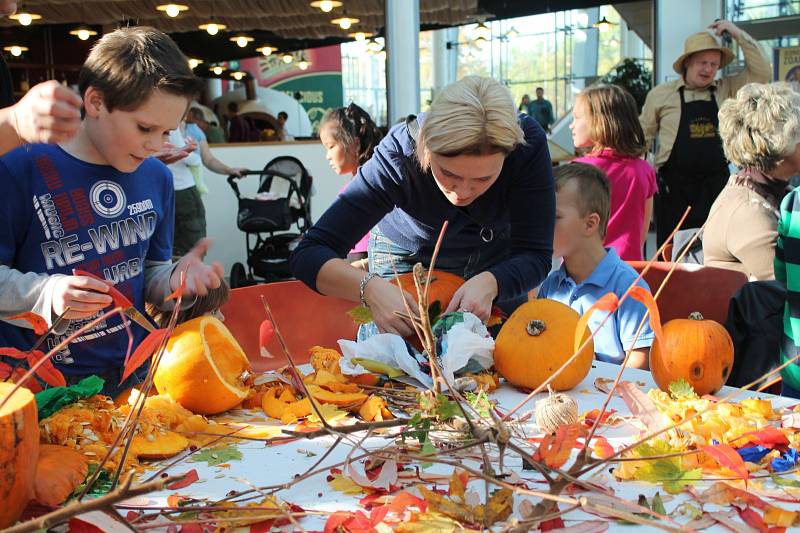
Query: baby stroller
283,199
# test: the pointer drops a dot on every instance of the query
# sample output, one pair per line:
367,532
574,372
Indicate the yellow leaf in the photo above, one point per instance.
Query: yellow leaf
345,485
775,516
430,522
458,484
330,412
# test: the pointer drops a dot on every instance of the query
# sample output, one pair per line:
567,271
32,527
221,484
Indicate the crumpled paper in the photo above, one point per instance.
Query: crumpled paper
51,400
463,344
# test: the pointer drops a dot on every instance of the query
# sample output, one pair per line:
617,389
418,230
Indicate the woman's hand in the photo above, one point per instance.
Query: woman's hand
720,26
384,299
475,296
84,296
48,113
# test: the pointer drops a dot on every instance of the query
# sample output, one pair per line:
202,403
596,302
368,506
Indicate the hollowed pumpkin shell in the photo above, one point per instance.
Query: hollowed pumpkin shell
19,451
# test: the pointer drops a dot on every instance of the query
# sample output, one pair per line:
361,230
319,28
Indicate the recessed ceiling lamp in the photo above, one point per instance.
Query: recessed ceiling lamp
25,18
217,70
212,27
287,58
345,22
172,10
83,32
360,35
326,5
303,64
266,50
241,40
194,62
15,49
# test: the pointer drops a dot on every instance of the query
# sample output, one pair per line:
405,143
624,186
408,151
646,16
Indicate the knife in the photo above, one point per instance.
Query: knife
120,300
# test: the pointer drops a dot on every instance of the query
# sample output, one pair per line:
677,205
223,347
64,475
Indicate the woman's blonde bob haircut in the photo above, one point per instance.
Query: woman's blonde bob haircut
474,116
760,126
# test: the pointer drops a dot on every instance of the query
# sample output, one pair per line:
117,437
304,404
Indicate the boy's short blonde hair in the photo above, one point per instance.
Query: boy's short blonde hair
128,64
594,191
760,126
475,115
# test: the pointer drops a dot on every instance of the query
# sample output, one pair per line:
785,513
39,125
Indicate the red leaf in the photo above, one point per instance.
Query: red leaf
552,524
645,297
143,352
265,333
590,417
188,478
608,302
120,300
13,352
752,519
769,437
179,291
356,522
38,323
377,515
405,500
729,458
601,447
556,449
47,371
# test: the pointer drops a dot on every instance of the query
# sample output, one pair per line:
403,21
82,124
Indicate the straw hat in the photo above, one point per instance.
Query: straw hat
700,42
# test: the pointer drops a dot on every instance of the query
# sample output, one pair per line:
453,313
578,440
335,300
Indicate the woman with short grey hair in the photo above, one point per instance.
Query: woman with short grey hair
760,130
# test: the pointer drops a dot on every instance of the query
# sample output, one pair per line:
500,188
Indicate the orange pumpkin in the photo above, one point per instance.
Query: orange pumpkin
697,350
203,367
443,286
19,451
536,340
58,472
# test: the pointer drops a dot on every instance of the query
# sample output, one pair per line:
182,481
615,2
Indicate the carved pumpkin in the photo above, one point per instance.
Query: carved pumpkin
19,451
536,340
203,367
697,350
58,472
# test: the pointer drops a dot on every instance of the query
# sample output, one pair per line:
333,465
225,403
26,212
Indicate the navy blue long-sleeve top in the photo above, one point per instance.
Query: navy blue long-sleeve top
392,191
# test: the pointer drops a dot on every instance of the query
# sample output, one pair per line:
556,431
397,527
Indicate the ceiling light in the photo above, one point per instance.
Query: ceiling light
266,50
83,32
172,10
513,32
212,27
238,75
25,18
482,31
217,70
241,40
303,64
287,58
360,35
15,49
373,46
326,5
603,24
345,22
194,62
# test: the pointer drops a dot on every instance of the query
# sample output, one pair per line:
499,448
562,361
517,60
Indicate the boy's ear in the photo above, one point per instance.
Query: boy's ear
93,102
592,223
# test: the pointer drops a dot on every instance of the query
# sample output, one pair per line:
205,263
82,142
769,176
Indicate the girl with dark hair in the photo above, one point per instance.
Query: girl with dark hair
349,136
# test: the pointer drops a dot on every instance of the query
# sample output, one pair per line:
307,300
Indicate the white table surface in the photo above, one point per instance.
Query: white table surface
269,465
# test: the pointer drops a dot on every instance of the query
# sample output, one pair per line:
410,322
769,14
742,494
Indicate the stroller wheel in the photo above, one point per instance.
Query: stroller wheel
238,276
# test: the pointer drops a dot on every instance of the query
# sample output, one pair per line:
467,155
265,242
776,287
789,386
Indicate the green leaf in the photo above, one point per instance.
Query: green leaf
446,408
480,402
361,315
667,470
785,482
658,504
686,509
680,390
102,486
217,455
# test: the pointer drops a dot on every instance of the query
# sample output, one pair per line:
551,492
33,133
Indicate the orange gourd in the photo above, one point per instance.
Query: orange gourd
443,286
203,367
697,350
536,340
58,472
19,451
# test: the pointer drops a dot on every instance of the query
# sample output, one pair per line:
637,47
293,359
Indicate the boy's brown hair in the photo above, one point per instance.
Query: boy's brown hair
614,120
209,303
128,64
594,192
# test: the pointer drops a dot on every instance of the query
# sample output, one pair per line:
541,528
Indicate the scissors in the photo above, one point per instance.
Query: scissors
120,300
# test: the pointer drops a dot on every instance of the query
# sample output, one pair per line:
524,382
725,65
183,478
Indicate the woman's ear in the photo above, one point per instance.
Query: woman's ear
93,102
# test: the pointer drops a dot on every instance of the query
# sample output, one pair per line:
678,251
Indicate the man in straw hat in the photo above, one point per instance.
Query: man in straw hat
682,116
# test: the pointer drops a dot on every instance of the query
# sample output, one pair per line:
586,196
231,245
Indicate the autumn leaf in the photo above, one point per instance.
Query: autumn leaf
721,493
361,315
728,458
430,522
601,447
641,406
217,455
188,478
499,506
556,449
143,352
345,485
38,323
608,302
458,484
589,418
46,371
680,390
769,437
752,518
667,470
265,332
775,516
404,500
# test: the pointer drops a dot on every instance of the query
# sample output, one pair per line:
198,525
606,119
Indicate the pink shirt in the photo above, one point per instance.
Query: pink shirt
362,245
632,181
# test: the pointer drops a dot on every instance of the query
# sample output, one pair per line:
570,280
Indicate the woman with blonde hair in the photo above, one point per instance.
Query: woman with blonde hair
760,130
470,160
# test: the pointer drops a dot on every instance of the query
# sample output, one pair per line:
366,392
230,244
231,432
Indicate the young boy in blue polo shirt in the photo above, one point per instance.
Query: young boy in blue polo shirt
589,270
100,203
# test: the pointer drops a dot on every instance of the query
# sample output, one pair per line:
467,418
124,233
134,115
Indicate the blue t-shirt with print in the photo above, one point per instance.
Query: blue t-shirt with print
61,213
611,275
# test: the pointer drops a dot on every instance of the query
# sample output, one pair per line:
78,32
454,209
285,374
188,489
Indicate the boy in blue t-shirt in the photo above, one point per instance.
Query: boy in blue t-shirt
589,270
100,203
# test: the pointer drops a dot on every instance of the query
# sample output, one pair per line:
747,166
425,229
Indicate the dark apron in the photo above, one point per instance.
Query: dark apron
696,170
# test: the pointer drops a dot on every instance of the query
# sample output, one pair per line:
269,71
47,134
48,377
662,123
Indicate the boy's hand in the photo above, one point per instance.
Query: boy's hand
83,296
48,113
200,277
475,296
170,153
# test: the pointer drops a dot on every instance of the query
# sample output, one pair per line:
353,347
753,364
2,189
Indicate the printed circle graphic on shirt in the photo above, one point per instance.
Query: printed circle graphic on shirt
108,198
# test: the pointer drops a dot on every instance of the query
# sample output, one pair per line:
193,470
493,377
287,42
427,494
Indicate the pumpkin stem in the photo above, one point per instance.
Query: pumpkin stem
696,315
535,328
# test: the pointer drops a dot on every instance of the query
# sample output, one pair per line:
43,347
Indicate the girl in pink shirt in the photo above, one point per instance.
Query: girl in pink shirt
349,136
605,120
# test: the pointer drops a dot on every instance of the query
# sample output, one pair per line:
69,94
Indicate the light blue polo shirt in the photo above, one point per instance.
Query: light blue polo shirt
611,275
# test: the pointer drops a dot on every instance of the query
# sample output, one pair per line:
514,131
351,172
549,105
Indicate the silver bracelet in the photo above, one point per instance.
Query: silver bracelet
363,285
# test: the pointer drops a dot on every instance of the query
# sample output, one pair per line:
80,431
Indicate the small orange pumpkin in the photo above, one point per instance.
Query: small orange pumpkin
536,340
443,286
697,350
19,451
